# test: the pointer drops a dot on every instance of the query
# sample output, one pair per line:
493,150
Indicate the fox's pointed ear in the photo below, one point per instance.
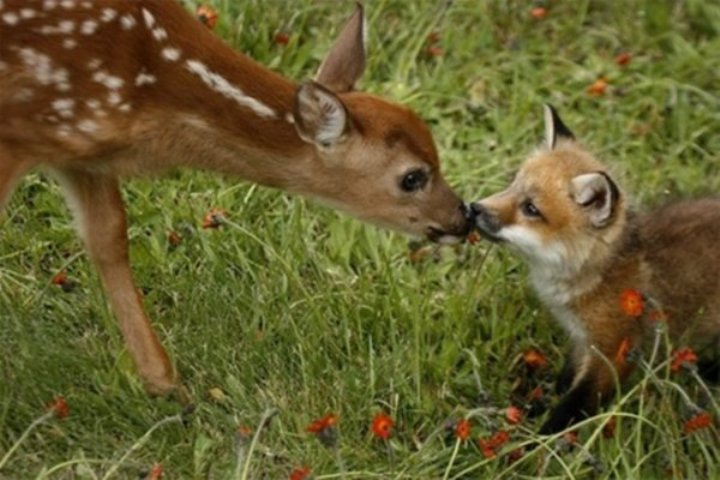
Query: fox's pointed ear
345,63
319,115
598,194
555,129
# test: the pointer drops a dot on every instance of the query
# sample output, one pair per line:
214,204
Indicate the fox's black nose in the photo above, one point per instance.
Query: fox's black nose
477,209
467,212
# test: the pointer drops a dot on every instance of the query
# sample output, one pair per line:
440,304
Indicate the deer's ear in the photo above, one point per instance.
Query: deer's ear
555,129
345,62
598,195
319,115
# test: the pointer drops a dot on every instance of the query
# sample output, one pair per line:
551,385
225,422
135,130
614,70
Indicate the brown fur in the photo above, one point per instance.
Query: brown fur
183,118
580,269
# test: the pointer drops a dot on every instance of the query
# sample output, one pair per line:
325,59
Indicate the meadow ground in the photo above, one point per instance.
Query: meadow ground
290,306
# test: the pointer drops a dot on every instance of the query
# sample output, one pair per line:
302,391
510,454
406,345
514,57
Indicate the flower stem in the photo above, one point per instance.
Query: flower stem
43,418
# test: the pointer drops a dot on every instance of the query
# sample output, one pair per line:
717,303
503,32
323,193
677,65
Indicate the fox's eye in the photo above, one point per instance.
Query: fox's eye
413,181
529,209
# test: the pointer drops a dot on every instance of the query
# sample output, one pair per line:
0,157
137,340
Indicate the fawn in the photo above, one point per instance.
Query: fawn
96,90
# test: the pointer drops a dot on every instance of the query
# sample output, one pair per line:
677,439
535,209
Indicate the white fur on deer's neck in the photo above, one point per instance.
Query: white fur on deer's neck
218,83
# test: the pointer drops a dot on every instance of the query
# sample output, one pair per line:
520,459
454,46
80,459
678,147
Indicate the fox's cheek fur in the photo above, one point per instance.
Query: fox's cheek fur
530,244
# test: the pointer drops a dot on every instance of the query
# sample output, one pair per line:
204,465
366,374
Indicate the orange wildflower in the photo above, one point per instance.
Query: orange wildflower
513,415
243,434
382,426
681,358
474,237
489,446
538,13
156,472
301,473
697,422
174,238
598,87
324,429
328,421
622,352
281,38
608,430
486,448
535,394
623,58
632,302
571,437
59,407
207,15
214,218
463,429
60,278
534,358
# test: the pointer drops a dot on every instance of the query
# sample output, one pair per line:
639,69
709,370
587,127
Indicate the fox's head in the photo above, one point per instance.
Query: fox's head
562,211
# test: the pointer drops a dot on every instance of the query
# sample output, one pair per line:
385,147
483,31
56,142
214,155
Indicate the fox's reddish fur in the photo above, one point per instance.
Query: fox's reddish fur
585,248
94,90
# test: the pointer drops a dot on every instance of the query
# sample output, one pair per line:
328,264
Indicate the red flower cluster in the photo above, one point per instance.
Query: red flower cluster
534,359
513,415
382,426
697,422
632,302
59,407
302,473
324,429
207,15
489,447
214,218
463,429
682,358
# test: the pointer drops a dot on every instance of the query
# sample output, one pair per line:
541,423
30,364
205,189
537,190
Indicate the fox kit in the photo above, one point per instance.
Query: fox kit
569,220
97,90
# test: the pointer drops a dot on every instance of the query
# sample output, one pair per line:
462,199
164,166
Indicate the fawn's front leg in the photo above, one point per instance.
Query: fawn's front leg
97,204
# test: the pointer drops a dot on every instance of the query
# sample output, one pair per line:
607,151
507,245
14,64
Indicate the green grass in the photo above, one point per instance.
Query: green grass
293,307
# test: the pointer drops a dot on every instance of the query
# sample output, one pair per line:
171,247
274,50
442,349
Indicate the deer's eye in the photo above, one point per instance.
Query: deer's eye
529,209
413,181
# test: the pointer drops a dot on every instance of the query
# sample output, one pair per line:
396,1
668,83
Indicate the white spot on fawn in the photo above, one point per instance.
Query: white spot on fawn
125,107
87,5
170,54
63,27
88,126
127,22
108,15
50,4
93,104
218,83
94,64
144,78
67,4
27,13
69,43
10,18
110,81
64,130
149,19
45,72
160,34
64,107
2,4
3,66
89,27
114,98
